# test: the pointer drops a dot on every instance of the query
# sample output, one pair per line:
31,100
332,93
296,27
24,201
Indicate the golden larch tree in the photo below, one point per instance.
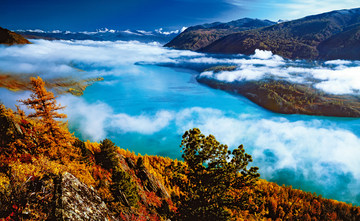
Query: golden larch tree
52,136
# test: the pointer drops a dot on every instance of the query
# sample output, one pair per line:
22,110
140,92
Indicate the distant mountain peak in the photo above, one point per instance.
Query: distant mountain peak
104,34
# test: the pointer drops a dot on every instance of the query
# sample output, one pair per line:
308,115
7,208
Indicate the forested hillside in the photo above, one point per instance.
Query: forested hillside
306,38
327,36
200,36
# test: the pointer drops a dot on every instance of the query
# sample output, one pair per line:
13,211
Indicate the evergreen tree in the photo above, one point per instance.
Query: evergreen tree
123,188
212,172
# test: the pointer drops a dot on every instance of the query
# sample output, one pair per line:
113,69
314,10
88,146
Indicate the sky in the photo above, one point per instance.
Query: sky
88,15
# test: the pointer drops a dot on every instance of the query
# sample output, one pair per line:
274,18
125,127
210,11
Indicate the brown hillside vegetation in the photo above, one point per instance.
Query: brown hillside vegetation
326,36
289,98
62,85
200,36
10,38
48,174
312,37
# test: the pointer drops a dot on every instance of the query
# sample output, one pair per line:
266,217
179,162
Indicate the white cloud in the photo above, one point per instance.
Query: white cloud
131,33
142,124
183,29
90,119
94,120
338,62
261,54
161,31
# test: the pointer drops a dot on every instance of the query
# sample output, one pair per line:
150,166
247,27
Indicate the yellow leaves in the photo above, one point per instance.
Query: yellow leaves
4,183
81,171
93,147
22,172
6,111
105,194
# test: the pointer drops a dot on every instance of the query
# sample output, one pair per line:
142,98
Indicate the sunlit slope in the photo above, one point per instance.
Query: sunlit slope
10,38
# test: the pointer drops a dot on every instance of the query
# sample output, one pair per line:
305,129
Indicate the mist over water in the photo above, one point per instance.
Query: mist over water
146,108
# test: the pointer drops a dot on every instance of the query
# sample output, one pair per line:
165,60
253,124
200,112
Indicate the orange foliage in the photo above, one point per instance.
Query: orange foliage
152,199
45,136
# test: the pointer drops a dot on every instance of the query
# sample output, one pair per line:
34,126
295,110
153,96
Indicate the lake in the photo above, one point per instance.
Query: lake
150,97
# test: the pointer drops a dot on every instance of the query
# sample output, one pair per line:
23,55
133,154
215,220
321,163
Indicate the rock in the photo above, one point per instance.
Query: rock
123,163
73,200
149,181
130,163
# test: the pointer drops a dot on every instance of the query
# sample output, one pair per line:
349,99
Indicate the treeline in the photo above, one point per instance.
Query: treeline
212,183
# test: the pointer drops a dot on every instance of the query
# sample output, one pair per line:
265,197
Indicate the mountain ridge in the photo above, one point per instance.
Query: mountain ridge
297,39
199,36
104,34
312,37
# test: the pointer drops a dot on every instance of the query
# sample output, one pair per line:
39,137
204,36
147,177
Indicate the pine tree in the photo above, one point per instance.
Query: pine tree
212,173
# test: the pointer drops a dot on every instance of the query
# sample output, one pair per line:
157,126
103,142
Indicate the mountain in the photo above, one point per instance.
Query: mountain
312,37
10,38
196,37
105,34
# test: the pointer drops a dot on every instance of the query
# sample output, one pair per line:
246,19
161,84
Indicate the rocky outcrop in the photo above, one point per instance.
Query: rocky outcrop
148,180
73,200
150,183
10,38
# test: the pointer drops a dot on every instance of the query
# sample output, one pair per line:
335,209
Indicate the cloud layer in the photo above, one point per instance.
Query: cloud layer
51,59
335,77
58,58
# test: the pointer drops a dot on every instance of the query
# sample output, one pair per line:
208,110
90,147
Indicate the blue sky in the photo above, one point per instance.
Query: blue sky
81,15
